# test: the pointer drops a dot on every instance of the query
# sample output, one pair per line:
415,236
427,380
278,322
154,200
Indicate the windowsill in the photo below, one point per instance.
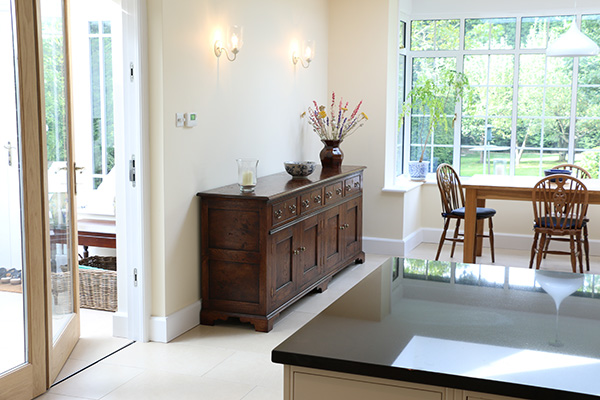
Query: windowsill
403,184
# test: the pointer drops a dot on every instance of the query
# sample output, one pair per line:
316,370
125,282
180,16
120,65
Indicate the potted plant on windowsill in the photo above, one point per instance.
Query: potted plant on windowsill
430,99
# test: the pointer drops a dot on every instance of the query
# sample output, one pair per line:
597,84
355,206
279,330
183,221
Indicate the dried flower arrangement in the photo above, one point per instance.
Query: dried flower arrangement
336,125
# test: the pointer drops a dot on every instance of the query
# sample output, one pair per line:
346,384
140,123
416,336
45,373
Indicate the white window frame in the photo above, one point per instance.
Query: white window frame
459,56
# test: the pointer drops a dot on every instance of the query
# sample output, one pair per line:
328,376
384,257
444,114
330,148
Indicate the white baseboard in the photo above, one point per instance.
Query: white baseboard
395,247
165,329
120,325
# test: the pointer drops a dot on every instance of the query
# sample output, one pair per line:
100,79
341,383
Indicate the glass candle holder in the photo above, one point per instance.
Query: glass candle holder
247,174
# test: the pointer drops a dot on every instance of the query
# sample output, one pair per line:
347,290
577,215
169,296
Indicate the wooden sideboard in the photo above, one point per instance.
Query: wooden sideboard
262,251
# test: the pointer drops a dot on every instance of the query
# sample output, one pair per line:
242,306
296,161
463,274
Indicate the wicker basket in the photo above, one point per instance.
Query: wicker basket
98,287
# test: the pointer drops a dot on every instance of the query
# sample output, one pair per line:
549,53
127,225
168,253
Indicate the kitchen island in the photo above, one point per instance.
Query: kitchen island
418,329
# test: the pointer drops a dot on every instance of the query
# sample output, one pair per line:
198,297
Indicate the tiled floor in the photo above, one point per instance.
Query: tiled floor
228,361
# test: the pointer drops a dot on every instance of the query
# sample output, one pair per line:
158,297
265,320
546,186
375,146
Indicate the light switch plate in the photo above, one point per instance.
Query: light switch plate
191,119
179,119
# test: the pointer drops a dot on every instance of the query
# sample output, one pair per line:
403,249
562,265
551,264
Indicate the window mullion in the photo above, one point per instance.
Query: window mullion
513,136
573,119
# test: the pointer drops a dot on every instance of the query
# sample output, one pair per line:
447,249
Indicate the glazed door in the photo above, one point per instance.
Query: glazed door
62,274
22,328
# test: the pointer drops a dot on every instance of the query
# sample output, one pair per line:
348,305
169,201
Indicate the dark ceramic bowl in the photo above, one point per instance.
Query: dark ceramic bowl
299,169
550,172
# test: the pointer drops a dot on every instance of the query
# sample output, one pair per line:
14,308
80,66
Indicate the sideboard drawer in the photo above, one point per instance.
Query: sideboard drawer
333,193
284,211
311,201
352,185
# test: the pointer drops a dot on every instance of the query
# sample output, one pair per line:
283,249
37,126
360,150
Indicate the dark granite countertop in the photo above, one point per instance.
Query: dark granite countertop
474,327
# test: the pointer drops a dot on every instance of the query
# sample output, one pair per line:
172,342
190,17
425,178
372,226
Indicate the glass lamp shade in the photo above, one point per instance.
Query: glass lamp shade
308,49
235,38
573,43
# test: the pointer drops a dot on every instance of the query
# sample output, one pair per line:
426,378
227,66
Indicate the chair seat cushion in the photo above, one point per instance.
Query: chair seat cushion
569,224
481,212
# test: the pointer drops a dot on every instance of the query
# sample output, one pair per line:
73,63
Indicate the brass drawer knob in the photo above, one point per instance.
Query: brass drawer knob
318,199
278,214
356,184
338,191
348,187
306,203
293,209
328,195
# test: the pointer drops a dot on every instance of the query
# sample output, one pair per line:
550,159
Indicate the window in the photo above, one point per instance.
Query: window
102,112
530,112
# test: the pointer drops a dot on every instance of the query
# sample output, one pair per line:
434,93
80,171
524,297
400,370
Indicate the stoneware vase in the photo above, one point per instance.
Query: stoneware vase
331,155
418,170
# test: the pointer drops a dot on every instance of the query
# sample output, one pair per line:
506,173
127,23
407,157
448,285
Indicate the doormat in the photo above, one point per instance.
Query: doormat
7,287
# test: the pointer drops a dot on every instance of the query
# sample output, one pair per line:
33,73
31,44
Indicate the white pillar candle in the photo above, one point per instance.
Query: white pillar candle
247,178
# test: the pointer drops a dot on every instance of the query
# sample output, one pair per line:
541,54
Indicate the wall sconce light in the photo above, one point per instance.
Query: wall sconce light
235,40
307,54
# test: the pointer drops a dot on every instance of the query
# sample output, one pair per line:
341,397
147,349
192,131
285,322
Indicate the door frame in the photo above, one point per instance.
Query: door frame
29,380
133,237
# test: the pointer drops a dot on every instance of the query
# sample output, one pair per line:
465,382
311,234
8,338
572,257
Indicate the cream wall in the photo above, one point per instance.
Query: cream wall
251,107
247,108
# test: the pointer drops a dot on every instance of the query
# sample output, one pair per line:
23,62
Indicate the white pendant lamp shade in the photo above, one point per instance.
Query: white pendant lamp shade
572,43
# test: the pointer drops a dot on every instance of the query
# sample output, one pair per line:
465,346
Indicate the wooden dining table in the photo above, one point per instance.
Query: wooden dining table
479,188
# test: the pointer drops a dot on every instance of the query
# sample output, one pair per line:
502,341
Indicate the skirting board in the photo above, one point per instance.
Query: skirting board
395,247
165,329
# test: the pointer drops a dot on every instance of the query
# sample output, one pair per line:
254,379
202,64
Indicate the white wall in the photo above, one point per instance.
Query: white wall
247,108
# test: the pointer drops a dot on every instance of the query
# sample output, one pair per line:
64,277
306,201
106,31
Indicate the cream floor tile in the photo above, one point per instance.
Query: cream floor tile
260,393
71,366
96,381
52,396
161,385
242,337
182,359
249,368
92,349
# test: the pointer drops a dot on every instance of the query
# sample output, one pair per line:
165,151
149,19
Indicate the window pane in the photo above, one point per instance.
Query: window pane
587,134
503,33
500,101
502,69
443,134
109,107
477,34
560,70
93,27
558,102
530,101
96,104
441,155
476,67
528,163
534,33
105,26
422,35
500,132
556,135
447,34
528,134
590,160
531,69
588,101
557,26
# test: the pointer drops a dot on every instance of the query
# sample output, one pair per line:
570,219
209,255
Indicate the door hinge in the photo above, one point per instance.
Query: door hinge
135,277
132,170
131,72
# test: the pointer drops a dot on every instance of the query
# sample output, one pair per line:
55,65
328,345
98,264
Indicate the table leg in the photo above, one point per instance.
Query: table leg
469,247
480,203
